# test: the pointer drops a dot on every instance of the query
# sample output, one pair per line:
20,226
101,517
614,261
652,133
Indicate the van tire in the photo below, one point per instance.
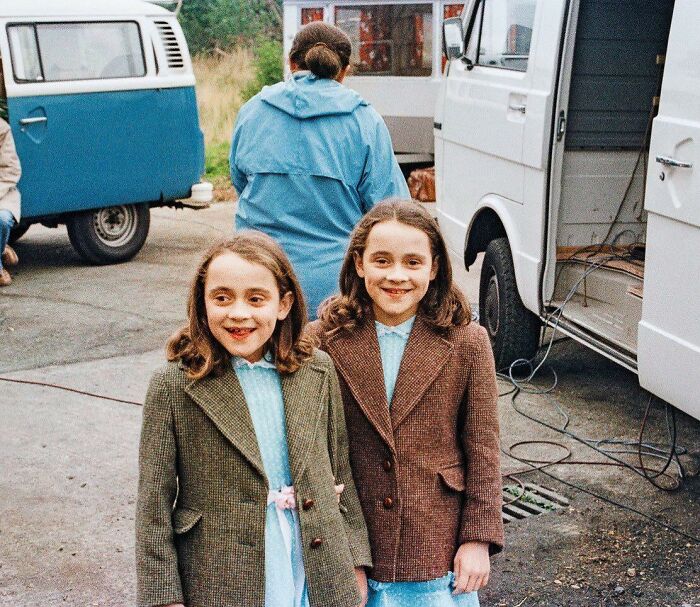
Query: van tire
514,331
109,235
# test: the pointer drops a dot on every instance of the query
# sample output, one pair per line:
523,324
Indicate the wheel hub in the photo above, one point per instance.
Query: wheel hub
492,305
115,226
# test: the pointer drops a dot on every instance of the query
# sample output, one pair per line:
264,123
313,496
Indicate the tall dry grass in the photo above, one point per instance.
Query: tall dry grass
220,82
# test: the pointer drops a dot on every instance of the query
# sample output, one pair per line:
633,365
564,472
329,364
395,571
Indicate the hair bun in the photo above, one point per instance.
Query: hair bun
323,61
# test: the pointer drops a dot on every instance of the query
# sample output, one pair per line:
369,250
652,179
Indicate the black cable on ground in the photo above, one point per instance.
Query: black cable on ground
67,389
603,498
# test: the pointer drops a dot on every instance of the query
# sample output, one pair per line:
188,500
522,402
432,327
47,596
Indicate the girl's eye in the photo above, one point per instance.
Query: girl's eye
381,261
221,298
414,262
257,299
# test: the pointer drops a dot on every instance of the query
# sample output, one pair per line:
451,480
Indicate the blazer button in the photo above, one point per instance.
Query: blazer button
307,504
316,542
388,503
387,465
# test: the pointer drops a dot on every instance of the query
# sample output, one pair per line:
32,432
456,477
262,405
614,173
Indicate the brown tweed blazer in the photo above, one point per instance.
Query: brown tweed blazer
427,469
200,518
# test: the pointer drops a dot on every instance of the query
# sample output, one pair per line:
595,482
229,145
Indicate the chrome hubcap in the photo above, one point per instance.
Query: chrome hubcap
115,226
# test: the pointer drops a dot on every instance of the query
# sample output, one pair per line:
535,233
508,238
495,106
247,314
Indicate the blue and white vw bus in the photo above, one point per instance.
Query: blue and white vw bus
100,97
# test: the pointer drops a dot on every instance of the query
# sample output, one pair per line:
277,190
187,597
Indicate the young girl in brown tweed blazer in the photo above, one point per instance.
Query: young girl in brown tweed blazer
419,387
245,492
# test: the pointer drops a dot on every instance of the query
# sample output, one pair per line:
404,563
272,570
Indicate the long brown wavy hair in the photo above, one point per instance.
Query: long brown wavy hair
201,354
442,306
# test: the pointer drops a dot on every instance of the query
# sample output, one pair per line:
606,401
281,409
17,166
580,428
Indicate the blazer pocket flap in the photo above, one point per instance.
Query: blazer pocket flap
453,477
184,519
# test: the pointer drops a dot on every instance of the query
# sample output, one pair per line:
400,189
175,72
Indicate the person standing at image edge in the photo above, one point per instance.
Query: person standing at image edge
309,157
10,173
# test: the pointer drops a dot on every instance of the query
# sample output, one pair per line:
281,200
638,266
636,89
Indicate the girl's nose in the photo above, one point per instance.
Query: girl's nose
238,310
397,274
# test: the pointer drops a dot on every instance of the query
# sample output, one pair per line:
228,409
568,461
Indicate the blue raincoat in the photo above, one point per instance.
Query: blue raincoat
308,158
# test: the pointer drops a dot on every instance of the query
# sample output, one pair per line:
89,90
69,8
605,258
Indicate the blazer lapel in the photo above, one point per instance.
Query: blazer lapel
303,393
223,401
425,355
357,358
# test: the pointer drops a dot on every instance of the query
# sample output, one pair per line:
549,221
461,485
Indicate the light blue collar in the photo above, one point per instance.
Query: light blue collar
403,330
265,362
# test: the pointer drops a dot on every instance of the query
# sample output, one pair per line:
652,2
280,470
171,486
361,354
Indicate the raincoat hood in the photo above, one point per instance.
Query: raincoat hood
305,95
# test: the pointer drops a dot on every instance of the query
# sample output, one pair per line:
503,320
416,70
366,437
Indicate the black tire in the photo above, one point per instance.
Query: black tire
109,235
514,330
18,231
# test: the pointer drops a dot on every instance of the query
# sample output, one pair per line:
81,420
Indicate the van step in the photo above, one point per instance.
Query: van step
636,290
607,302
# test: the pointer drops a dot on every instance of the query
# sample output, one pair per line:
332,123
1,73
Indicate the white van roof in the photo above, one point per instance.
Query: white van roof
78,8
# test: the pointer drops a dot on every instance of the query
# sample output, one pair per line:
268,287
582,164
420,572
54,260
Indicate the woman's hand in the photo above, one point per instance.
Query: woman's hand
361,584
472,567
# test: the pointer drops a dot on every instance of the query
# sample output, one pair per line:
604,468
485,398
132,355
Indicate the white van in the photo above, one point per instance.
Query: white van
397,60
567,143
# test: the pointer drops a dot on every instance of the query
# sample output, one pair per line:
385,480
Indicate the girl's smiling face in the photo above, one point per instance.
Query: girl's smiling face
243,305
397,265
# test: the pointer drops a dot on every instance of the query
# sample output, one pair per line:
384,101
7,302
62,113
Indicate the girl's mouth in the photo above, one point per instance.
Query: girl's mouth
240,333
395,293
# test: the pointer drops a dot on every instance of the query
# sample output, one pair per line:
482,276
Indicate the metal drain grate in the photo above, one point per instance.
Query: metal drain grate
535,500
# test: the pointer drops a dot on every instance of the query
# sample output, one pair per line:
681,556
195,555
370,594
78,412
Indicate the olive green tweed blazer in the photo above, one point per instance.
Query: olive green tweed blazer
202,494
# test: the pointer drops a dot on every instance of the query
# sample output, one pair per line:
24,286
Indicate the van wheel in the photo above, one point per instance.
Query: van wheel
514,330
109,235
18,231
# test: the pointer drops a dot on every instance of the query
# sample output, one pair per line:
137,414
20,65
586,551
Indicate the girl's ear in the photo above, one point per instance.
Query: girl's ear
341,76
285,306
434,269
358,264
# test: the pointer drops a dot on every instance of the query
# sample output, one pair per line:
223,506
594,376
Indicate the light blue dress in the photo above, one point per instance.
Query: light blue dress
285,581
432,593
308,158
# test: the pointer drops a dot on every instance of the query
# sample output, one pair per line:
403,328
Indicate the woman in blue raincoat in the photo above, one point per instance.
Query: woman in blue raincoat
309,157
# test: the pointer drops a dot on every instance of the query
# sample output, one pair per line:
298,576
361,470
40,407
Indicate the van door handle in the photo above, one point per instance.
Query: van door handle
672,162
518,107
35,120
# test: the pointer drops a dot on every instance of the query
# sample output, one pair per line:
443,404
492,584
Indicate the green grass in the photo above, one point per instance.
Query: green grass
216,164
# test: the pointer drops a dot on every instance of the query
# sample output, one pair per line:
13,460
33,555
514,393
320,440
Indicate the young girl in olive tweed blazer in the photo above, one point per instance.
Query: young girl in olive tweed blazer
245,492
419,386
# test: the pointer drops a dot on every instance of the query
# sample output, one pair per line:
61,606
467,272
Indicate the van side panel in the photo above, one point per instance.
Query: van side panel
101,149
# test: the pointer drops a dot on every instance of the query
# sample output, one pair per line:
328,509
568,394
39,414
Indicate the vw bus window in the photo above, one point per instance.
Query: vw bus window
309,15
85,51
504,33
25,53
389,40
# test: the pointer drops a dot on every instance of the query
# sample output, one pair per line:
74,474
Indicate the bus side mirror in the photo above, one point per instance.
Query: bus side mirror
453,38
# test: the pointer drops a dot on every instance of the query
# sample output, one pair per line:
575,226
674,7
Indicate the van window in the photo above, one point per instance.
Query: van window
25,53
389,40
76,51
501,34
309,15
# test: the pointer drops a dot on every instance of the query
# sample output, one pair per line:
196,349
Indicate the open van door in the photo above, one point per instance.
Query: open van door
669,333
494,123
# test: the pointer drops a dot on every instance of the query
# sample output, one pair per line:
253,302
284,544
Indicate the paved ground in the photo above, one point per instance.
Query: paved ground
68,471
